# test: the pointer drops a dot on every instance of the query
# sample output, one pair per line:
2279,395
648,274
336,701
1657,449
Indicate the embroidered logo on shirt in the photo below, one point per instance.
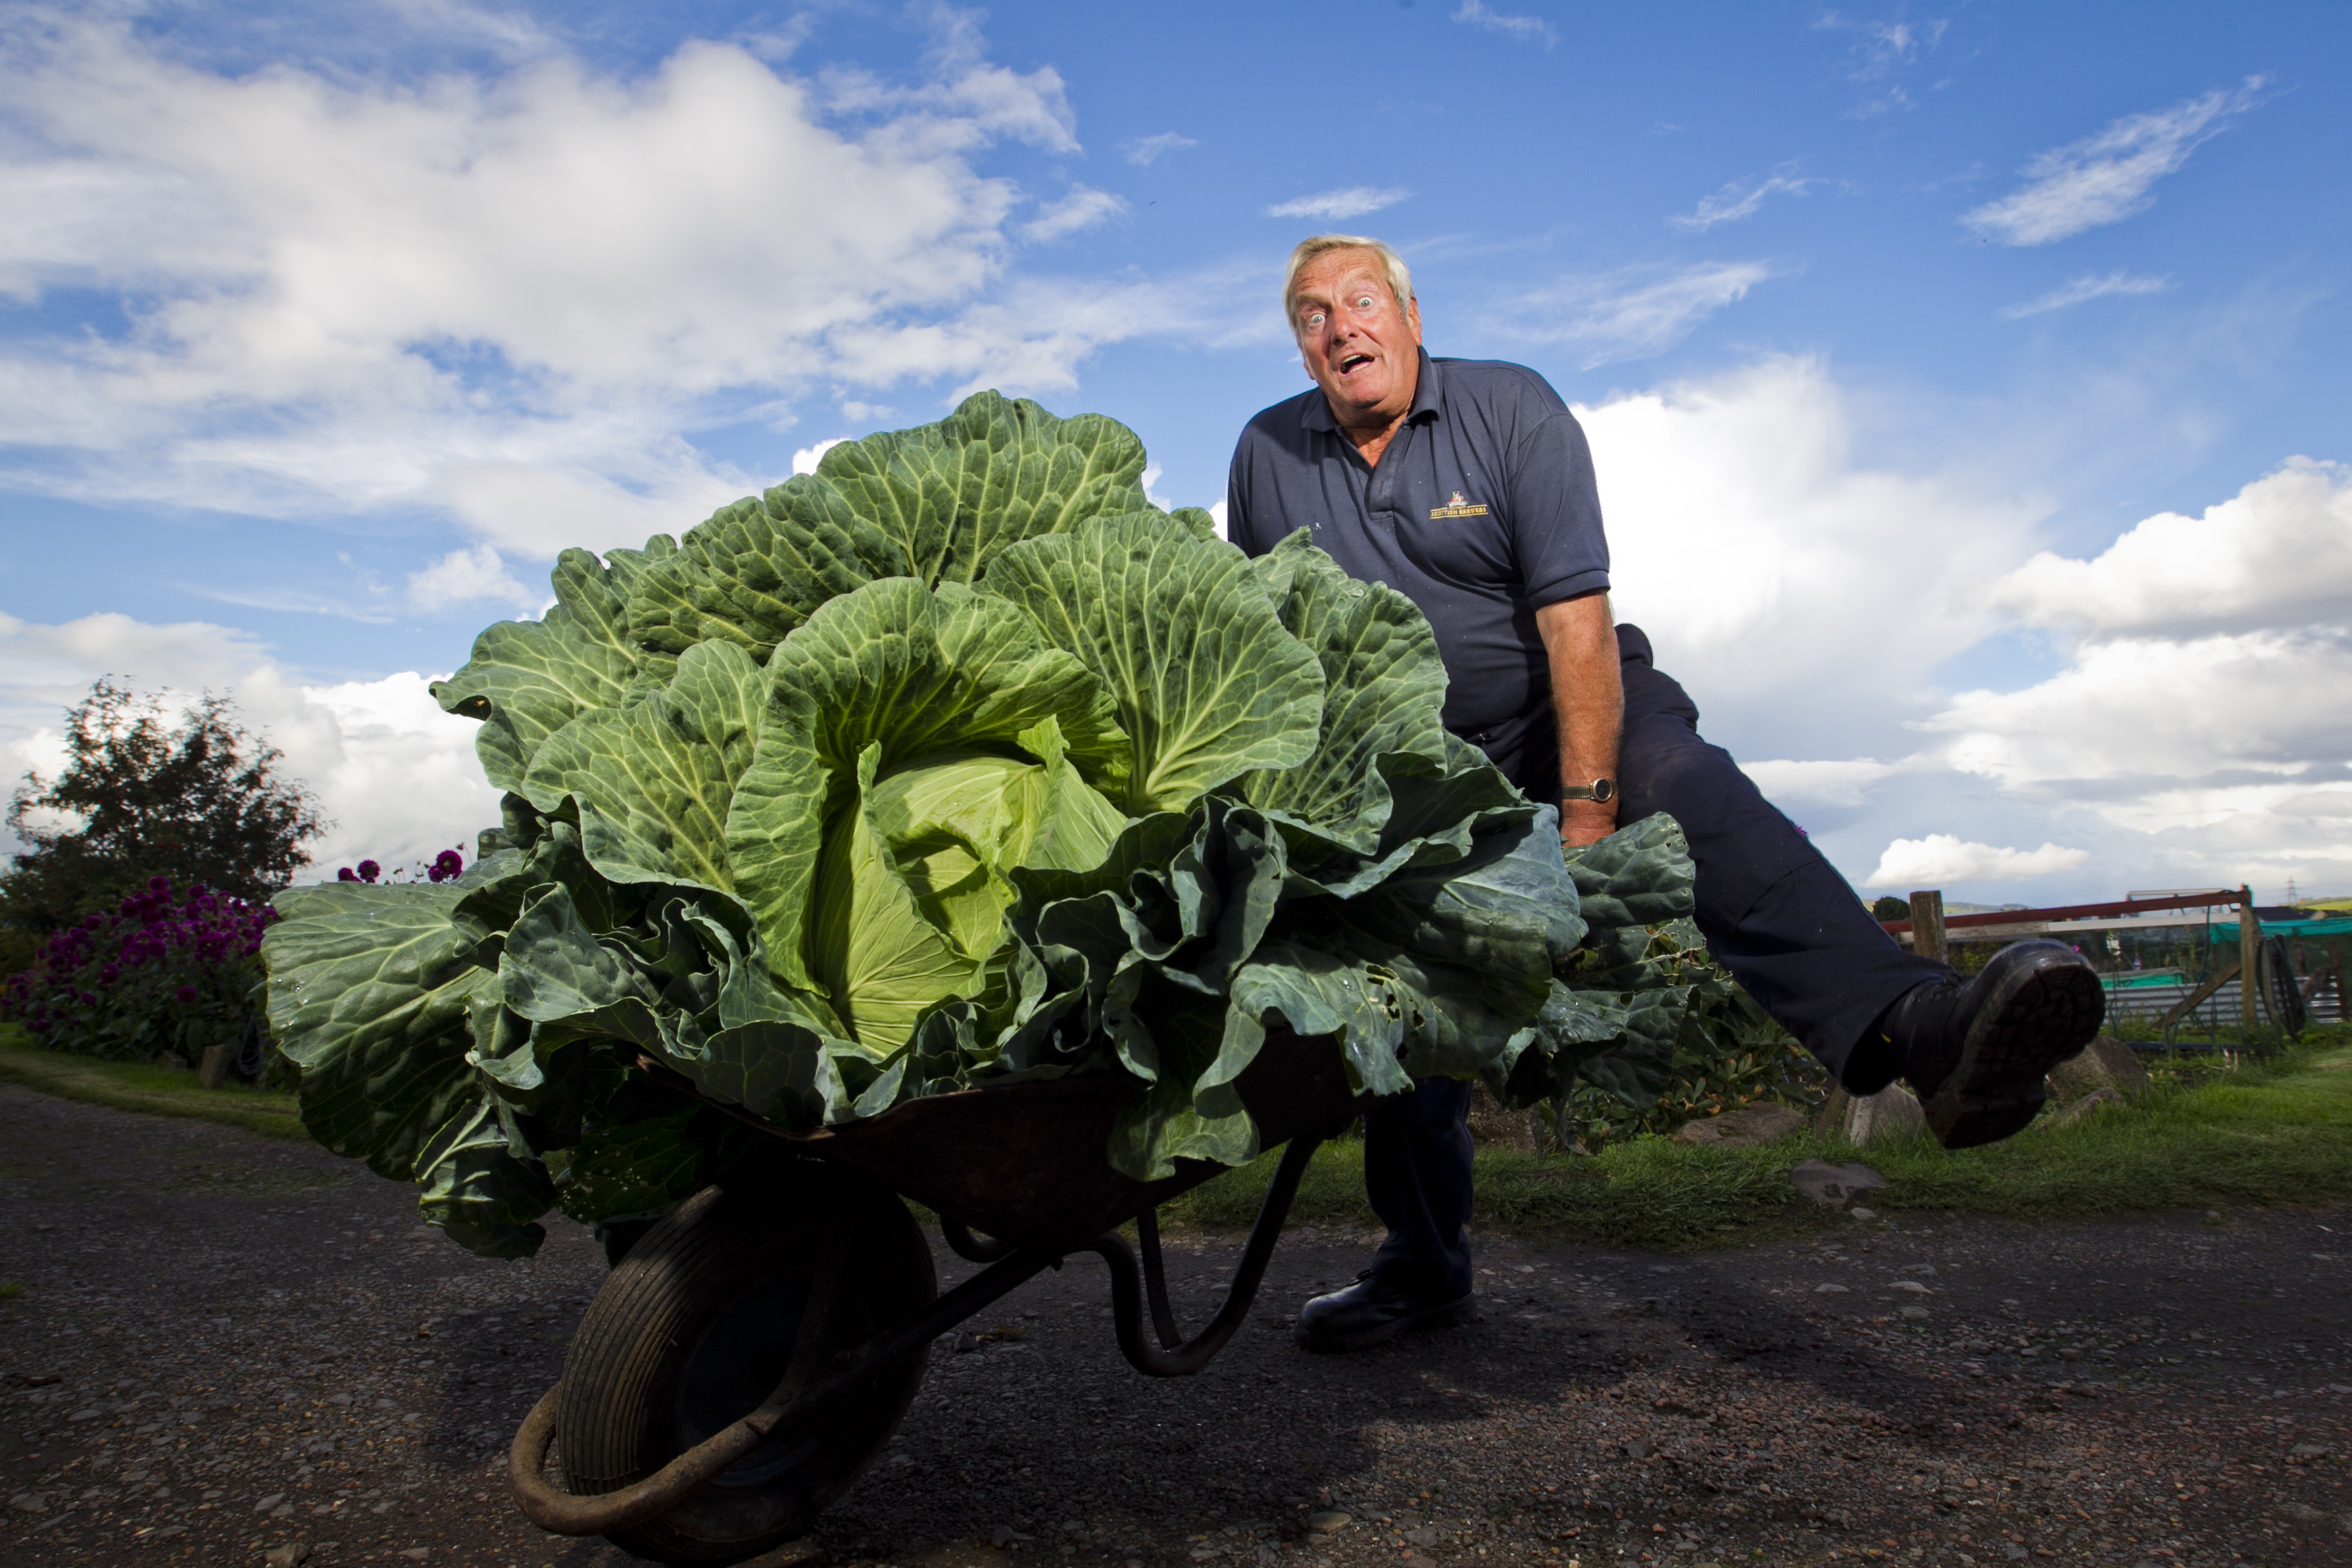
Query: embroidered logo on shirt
1457,506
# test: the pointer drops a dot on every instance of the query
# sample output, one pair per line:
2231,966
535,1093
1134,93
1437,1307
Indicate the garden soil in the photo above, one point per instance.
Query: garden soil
230,1349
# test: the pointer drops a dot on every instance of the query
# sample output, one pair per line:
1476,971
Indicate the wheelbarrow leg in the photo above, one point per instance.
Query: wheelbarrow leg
1175,1356
1155,1281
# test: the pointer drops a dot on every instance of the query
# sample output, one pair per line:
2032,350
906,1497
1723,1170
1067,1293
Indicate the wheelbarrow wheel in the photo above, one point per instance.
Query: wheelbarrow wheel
698,1324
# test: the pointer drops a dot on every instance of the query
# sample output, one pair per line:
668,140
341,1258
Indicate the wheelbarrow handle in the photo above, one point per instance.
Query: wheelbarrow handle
561,1513
790,1408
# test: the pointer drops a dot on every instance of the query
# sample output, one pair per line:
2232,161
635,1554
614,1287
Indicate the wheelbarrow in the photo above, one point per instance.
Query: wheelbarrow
754,1351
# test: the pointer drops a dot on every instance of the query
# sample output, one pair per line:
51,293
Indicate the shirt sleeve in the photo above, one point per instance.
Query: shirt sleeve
1238,531
1556,513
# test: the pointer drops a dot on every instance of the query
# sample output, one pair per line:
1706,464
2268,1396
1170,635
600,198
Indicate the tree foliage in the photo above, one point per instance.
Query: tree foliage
202,800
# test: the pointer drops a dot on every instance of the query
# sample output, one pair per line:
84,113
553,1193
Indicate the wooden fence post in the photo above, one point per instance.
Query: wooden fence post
2249,942
1927,925
213,1068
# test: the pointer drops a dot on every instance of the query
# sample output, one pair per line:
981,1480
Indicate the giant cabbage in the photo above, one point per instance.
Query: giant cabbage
954,764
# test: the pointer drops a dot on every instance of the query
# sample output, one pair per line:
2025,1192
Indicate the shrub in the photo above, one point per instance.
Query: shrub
156,976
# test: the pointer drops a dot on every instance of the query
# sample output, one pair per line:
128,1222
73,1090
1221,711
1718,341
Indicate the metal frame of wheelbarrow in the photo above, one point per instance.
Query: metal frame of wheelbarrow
806,1392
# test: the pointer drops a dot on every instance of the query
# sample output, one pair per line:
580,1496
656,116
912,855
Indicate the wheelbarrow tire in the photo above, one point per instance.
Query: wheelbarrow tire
696,1326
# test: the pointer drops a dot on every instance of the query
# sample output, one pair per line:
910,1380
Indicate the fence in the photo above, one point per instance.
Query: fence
2219,1011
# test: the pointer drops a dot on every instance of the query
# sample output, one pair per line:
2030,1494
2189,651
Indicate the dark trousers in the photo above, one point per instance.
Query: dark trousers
1774,913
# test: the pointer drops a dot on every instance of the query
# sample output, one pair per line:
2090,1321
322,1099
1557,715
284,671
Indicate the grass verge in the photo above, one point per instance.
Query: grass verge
2279,1131
153,1091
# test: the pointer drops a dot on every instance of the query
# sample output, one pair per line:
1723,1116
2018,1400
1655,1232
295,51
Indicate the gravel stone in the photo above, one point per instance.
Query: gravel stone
1605,1408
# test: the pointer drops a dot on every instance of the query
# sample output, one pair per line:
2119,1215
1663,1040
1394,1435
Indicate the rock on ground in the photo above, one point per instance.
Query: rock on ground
1762,1122
1864,1120
2106,1063
231,1348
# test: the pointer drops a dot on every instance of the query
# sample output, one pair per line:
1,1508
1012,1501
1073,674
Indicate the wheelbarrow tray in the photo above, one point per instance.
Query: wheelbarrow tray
1028,1163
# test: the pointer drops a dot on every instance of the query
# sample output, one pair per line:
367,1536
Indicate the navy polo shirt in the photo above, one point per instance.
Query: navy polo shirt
1482,510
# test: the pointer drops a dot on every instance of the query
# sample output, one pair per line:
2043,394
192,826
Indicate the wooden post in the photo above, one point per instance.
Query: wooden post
214,1064
1927,925
2250,942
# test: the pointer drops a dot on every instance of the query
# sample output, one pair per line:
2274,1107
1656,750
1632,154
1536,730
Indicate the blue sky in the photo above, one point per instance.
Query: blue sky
1965,381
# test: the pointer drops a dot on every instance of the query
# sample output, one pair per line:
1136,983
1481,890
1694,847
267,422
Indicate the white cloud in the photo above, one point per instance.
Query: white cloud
468,576
2110,174
1510,25
2203,717
2277,555
2196,730
806,460
1845,782
2143,714
1767,565
1737,200
1633,312
1941,858
2089,286
1328,207
398,776
503,295
1145,151
1083,207
1152,477
1217,515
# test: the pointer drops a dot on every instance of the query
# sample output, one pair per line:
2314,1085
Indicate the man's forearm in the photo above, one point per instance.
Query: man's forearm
1579,638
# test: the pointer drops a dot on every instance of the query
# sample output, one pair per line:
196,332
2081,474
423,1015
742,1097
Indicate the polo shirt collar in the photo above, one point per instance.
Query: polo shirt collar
1427,400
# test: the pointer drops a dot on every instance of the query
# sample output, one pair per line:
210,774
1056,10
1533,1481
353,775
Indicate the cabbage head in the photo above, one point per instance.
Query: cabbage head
954,764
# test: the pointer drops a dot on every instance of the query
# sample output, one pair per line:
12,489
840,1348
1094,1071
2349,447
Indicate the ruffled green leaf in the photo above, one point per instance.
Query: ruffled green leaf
369,991
1384,689
655,781
935,503
527,679
1207,682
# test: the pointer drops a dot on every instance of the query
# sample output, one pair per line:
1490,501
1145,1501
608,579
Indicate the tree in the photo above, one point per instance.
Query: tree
1891,908
199,801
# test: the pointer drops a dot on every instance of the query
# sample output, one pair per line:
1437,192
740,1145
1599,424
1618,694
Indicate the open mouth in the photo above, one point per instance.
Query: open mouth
1349,362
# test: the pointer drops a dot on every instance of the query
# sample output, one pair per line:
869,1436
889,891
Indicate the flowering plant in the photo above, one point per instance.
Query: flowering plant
160,975
446,867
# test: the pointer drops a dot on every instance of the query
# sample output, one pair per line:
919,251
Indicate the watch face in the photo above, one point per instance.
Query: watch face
1604,790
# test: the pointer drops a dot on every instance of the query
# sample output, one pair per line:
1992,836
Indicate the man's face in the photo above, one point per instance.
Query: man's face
1361,345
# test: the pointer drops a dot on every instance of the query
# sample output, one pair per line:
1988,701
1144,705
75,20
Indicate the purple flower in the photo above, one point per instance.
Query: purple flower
184,994
108,974
160,884
346,874
90,999
92,922
370,871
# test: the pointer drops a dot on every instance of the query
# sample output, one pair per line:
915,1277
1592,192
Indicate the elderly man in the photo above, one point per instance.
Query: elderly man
1468,486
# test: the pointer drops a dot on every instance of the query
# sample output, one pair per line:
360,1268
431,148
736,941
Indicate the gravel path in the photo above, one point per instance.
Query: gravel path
228,1346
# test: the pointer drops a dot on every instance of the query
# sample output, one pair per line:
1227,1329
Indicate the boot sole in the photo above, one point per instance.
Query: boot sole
2048,1015
1445,1316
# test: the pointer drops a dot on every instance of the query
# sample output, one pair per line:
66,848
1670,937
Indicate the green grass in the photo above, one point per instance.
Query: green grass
153,1090
10,1289
2279,1131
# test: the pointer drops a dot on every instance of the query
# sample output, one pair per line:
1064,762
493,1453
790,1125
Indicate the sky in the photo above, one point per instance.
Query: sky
1966,383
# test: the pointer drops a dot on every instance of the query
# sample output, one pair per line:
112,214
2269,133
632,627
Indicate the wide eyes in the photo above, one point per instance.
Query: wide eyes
1362,304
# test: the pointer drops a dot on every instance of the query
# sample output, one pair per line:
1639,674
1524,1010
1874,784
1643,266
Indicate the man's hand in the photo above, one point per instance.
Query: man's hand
1579,638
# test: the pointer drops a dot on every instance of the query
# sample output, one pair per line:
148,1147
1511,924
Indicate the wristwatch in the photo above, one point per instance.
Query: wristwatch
1601,791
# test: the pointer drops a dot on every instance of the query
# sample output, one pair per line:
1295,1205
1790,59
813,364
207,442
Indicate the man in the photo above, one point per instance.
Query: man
1468,486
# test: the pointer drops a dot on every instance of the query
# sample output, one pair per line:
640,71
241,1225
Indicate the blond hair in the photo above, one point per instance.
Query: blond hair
1393,265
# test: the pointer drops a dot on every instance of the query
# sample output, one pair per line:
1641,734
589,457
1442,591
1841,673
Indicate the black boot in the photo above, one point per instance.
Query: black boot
1372,1310
1976,1051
